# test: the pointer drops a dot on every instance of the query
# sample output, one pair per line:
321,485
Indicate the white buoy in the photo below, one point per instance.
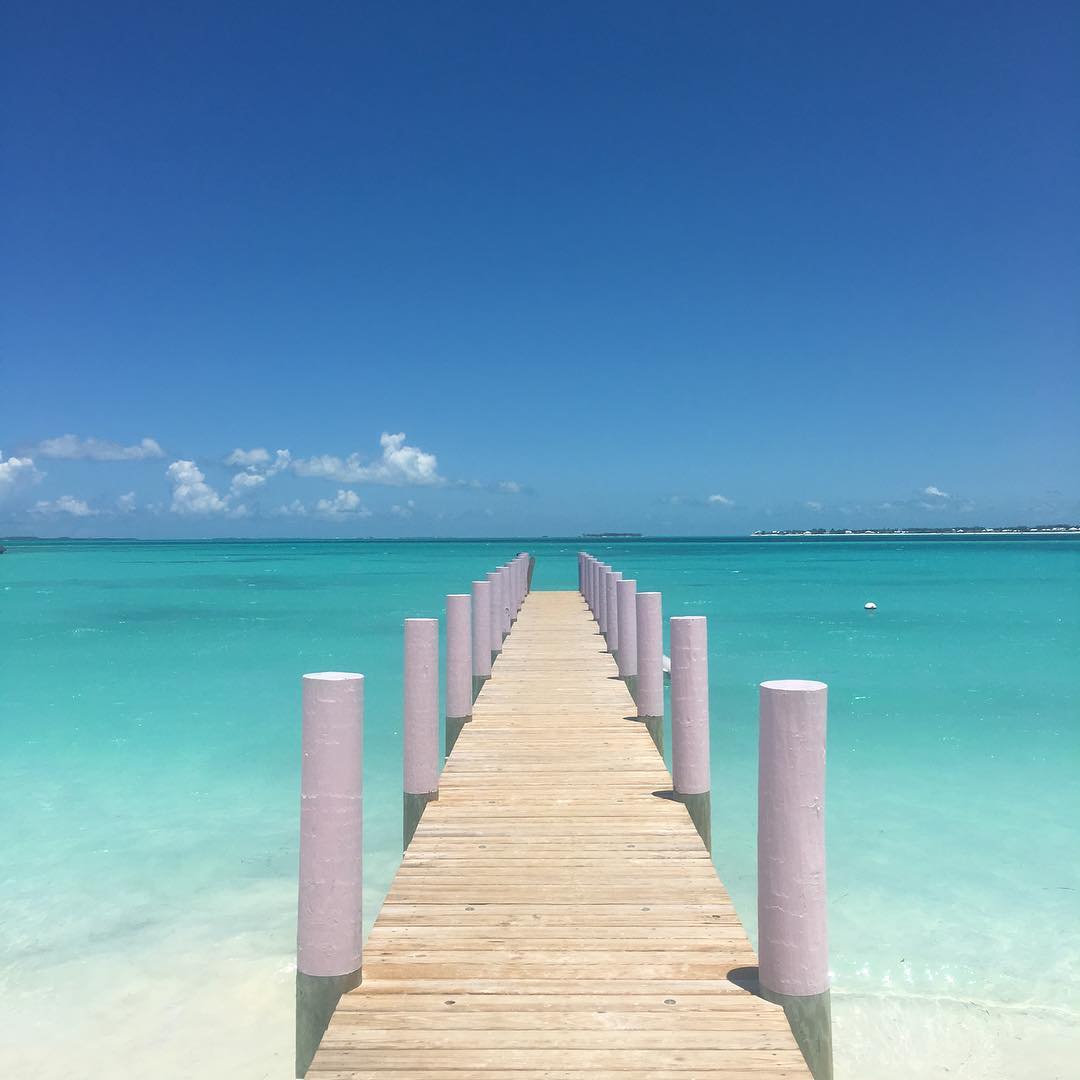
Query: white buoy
870,605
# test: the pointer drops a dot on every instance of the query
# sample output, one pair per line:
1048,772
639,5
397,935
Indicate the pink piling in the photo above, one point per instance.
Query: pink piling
481,633
626,600
792,917
494,614
421,719
611,608
690,718
650,665
459,695
791,837
330,922
504,599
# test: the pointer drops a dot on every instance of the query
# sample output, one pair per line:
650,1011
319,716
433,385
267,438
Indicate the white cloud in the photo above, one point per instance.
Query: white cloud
126,503
813,504
721,500
191,494
282,460
343,506
294,509
66,504
936,499
246,481
258,467
931,499
405,511
259,460
346,504
72,448
15,471
509,487
400,464
246,458
327,467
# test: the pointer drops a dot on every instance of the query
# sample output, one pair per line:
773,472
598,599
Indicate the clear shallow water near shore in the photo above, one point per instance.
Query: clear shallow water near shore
149,708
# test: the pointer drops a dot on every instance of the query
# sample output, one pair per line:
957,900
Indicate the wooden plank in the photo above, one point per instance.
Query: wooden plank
365,1032
736,1072
663,985
569,936
396,996
556,915
499,1061
591,1019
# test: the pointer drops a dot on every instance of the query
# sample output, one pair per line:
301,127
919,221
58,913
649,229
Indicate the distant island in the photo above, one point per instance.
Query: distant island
965,530
611,536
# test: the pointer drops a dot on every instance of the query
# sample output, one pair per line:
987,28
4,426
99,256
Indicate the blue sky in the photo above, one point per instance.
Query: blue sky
537,268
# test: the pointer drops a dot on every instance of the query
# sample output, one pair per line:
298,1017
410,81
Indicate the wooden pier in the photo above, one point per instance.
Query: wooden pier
556,915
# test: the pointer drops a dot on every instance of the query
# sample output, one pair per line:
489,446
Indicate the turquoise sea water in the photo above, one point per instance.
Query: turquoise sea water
149,710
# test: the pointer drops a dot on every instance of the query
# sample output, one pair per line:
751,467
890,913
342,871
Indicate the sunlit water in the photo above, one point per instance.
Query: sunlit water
149,709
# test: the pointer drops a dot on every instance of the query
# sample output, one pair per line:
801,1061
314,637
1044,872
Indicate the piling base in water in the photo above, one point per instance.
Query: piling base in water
316,999
699,808
654,725
454,725
413,811
478,685
810,1018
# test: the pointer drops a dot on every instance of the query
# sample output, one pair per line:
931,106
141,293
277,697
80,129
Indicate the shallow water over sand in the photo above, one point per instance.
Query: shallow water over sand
149,777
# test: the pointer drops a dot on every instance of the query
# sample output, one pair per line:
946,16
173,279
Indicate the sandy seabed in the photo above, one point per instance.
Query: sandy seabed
225,1010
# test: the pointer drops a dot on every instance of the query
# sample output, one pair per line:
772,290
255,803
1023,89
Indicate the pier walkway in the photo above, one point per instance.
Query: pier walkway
556,915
